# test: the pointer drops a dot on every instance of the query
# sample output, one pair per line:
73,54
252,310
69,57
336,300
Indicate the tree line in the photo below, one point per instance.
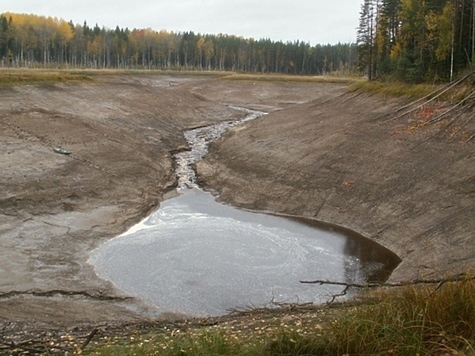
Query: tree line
416,40
39,41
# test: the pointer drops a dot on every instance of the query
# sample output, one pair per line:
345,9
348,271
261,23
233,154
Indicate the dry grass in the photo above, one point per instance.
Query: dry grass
394,89
37,76
413,320
15,76
414,91
281,78
10,76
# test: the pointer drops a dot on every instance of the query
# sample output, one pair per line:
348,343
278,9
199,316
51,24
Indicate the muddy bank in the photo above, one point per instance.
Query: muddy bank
55,209
317,154
335,159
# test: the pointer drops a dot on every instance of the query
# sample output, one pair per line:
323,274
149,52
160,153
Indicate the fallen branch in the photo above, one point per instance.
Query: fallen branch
441,116
414,102
458,278
354,285
97,295
460,112
446,127
437,92
433,96
88,339
439,282
468,120
341,294
13,346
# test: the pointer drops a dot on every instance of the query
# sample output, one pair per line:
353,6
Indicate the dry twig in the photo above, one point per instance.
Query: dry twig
439,282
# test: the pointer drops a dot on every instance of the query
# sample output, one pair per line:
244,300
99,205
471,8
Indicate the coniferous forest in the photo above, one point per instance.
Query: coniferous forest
416,40
38,41
405,40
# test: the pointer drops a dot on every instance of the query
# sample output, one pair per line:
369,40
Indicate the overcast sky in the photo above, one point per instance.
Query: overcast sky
314,21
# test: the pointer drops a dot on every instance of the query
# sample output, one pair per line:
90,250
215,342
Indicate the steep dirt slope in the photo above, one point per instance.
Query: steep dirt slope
336,161
320,153
55,209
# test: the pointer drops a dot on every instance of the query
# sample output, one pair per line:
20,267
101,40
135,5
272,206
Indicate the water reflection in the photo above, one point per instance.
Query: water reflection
376,262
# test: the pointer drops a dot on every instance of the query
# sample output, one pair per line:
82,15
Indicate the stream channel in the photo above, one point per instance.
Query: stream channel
198,257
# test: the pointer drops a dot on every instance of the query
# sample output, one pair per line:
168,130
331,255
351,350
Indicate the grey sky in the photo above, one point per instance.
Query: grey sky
314,21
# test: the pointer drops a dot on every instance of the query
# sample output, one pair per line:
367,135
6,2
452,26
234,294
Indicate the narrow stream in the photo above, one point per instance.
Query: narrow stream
198,257
199,140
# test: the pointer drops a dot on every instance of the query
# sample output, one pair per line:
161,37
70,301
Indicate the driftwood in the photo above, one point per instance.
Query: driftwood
439,282
457,278
88,339
46,342
21,346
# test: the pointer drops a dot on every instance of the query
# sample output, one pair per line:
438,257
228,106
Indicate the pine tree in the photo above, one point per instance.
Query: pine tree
366,37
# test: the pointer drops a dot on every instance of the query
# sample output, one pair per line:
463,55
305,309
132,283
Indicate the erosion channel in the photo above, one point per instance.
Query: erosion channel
199,257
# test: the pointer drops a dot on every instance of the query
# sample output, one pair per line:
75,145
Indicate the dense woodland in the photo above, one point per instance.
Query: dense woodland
38,41
406,40
416,40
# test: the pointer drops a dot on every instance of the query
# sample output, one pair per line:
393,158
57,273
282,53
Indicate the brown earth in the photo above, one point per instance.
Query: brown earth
321,153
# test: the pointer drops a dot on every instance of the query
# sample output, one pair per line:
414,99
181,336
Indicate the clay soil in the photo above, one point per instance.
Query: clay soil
322,152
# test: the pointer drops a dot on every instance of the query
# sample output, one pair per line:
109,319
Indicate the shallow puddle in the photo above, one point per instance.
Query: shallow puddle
199,257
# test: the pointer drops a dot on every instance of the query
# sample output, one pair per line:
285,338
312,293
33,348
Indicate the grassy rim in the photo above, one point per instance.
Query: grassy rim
14,76
410,320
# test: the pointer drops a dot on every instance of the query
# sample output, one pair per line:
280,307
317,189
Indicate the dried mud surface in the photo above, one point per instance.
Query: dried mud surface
349,159
320,153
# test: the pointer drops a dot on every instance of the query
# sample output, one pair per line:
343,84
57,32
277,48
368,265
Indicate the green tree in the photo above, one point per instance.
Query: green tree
366,37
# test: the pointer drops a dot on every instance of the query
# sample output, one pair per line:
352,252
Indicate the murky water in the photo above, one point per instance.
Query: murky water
199,140
198,257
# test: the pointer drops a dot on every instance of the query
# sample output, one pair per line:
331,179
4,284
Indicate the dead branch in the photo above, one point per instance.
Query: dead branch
13,346
88,339
436,92
441,116
345,284
467,121
341,294
439,282
457,278
459,113
433,96
445,128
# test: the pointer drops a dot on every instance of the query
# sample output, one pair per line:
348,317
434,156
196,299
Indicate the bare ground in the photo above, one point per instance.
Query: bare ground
321,153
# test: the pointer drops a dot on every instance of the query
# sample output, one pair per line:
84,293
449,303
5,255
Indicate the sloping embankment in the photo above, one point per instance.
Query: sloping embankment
405,184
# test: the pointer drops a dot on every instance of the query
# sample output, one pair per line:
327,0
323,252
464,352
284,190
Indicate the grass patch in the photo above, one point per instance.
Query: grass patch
280,78
14,76
394,89
413,91
413,320
37,76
